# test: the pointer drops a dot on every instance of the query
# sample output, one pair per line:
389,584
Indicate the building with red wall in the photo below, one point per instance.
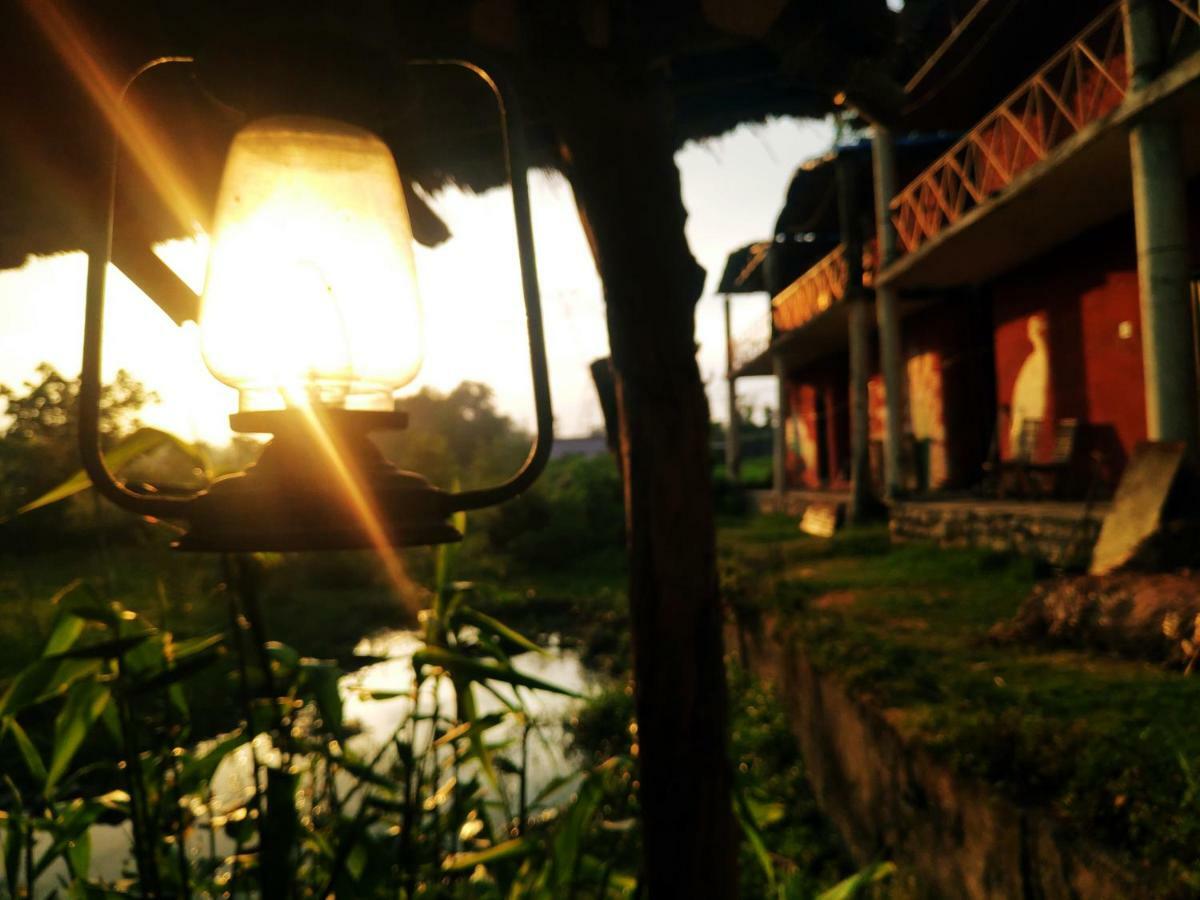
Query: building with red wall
1028,277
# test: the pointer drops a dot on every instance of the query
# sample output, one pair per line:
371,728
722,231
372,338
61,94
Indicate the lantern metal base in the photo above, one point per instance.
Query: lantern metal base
320,484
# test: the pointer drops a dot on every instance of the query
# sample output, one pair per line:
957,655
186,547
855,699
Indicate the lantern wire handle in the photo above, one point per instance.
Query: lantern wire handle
93,338
517,167
99,255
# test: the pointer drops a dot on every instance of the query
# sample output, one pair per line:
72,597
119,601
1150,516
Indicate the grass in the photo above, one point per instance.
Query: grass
1109,745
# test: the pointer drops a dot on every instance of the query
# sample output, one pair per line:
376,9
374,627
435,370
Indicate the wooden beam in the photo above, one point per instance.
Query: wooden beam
156,280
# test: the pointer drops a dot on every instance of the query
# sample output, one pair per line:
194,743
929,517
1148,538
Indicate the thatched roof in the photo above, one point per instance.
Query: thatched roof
743,272
725,63
808,227
991,49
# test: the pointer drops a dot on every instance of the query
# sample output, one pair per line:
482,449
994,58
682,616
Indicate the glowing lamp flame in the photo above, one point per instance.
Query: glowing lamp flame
311,293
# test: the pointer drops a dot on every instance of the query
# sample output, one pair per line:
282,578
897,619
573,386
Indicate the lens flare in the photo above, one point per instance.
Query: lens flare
139,139
358,497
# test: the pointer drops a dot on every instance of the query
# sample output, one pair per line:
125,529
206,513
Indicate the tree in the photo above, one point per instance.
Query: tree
38,444
456,437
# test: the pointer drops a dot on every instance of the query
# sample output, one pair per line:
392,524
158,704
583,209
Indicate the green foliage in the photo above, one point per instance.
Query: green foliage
457,436
119,456
790,850
39,439
39,460
575,509
436,808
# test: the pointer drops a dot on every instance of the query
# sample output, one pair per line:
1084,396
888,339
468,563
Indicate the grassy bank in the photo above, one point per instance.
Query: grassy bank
1108,745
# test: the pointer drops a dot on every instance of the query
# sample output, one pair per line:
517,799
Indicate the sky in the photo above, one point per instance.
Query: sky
474,329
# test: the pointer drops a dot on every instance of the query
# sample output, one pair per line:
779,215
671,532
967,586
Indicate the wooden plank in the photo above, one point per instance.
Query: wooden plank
820,519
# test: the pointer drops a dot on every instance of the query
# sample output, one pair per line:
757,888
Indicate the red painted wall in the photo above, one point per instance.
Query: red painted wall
818,428
1086,295
949,404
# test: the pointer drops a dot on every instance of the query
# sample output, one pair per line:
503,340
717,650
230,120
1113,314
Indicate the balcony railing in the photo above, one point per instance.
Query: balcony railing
818,289
812,293
1082,83
750,344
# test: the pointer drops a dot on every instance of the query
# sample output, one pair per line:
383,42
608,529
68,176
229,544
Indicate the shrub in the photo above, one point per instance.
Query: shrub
575,509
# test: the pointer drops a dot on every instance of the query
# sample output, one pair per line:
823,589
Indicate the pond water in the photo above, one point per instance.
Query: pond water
389,673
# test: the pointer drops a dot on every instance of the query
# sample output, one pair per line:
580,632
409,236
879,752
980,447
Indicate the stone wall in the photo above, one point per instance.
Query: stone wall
955,837
1059,533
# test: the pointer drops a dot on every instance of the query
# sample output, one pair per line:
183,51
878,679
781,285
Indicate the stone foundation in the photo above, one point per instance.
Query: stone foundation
956,837
1062,534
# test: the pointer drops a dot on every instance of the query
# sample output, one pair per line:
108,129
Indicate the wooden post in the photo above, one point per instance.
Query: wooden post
617,140
733,437
779,442
887,314
859,338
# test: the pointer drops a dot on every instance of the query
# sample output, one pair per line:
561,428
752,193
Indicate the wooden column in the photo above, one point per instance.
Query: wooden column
858,323
779,444
887,314
733,436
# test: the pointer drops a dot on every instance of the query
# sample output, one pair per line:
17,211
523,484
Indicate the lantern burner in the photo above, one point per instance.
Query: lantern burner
320,484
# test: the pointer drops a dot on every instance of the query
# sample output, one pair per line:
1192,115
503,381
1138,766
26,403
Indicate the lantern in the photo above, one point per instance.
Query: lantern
310,310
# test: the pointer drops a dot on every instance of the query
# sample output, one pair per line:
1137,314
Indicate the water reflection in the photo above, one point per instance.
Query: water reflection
390,677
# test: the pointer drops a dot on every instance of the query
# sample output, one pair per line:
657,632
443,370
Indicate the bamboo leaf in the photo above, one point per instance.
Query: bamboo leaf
363,772
321,678
67,629
499,629
42,679
745,818
141,442
518,847
29,753
172,677
470,669
85,703
71,831
200,770
79,855
14,844
466,728
478,725
553,785
105,649
568,839
181,650
853,886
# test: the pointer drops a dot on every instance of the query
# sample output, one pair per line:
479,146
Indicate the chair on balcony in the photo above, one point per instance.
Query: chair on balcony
1000,475
1025,475
1055,470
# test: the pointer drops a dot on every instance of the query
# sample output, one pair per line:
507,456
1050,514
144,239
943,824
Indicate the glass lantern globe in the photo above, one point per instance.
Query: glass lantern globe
310,297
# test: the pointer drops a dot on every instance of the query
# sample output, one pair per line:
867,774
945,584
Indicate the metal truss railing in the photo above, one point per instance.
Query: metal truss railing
812,293
819,288
1082,83
750,344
